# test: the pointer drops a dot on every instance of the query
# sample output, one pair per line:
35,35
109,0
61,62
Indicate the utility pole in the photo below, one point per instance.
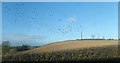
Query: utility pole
93,37
103,38
81,35
98,36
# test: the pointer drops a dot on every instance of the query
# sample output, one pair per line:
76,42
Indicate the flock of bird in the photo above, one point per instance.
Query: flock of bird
20,14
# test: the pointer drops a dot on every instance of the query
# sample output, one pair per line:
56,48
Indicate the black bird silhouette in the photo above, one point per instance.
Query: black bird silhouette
60,20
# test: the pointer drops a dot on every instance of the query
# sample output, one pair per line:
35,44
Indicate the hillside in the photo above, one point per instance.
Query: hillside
71,50
74,44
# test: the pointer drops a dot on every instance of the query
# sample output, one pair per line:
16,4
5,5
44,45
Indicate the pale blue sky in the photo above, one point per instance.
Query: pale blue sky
0,22
61,0
42,23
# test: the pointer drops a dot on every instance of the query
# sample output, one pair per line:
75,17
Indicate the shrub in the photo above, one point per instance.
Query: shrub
23,48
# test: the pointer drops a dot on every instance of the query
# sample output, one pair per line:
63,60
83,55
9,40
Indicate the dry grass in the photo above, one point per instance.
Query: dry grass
86,54
69,50
74,44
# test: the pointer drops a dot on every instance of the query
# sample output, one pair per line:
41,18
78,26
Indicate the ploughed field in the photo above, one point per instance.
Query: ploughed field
70,50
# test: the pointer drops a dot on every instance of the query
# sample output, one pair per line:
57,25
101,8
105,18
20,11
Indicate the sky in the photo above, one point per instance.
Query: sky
41,23
61,0
0,23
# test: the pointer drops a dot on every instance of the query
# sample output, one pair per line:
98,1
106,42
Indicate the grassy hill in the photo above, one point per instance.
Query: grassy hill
71,50
74,44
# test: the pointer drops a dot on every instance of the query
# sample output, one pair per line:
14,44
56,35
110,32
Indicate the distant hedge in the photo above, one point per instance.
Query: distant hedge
23,48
